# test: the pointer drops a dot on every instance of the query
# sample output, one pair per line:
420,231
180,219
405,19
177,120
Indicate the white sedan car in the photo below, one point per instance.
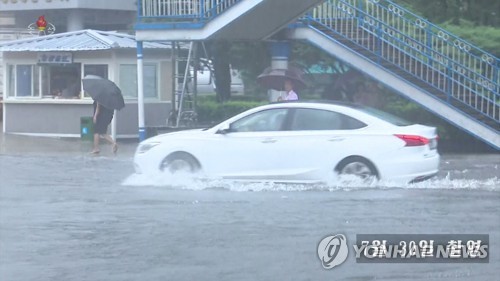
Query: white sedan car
298,142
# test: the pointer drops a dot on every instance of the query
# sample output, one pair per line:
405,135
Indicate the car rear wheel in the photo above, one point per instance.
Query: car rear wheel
180,162
357,166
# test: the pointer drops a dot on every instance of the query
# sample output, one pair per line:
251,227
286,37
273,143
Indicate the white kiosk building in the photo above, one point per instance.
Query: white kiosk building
42,73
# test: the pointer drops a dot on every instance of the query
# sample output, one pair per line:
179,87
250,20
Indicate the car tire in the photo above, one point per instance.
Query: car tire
357,166
180,162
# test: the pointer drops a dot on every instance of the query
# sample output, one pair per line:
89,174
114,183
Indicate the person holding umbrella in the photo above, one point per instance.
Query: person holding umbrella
290,93
102,119
107,98
282,80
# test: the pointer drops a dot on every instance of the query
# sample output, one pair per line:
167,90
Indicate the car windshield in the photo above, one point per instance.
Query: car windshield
395,120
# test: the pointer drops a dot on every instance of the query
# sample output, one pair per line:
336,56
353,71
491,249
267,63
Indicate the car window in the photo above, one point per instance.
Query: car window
267,120
395,120
316,119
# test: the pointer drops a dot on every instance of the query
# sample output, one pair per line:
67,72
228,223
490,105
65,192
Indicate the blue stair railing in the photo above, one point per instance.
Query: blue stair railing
443,64
433,59
171,13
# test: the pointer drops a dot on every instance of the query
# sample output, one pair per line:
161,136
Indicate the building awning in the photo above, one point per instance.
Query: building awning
81,40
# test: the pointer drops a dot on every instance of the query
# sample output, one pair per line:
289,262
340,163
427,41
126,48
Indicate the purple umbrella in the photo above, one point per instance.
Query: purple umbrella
275,78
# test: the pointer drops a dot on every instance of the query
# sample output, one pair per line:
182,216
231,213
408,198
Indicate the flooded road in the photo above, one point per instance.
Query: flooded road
66,215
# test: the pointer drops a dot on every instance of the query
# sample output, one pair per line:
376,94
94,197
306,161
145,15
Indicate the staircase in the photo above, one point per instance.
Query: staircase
421,61
188,20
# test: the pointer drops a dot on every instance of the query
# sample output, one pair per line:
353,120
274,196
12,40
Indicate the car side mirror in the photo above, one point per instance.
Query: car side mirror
224,129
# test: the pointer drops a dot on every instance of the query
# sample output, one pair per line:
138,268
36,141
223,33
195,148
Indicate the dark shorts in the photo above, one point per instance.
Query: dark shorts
102,123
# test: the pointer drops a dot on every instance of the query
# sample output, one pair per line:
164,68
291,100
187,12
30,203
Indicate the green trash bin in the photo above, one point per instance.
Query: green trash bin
87,128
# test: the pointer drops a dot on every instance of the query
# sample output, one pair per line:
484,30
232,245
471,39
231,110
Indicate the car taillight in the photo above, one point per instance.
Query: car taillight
413,140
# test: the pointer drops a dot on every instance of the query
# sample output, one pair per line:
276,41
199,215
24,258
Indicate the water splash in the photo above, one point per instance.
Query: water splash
344,183
491,184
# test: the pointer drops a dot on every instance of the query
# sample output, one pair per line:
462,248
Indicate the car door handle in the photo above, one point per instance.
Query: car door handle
269,141
336,139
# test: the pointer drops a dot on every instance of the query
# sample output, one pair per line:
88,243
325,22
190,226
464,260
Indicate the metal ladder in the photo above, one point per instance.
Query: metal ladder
184,113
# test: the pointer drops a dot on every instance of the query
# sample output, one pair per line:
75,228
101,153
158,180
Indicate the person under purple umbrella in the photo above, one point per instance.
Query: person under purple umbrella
287,80
290,93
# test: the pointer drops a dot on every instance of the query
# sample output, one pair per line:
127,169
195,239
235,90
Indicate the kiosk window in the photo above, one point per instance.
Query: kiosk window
128,80
24,84
96,69
65,81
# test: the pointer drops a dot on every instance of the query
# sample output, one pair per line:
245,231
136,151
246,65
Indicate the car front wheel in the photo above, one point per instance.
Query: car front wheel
180,162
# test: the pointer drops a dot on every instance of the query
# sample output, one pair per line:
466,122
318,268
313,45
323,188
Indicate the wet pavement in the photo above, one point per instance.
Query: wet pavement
30,145
68,215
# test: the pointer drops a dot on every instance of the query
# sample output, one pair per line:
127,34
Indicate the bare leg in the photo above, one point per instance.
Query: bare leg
108,138
112,142
96,144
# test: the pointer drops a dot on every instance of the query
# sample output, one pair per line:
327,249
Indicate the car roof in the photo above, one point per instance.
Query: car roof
354,110
358,111
319,103
334,102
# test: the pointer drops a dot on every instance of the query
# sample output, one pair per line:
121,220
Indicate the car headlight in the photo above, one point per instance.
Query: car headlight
143,148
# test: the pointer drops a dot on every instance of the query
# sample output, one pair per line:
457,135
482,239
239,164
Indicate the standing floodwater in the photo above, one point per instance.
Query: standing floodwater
66,215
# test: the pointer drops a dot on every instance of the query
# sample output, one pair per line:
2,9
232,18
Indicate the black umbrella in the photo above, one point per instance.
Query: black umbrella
104,91
275,78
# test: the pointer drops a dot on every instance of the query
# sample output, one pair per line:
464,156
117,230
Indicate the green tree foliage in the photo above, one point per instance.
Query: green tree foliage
307,55
221,62
250,58
211,112
486,37
327,76
476,21
480,12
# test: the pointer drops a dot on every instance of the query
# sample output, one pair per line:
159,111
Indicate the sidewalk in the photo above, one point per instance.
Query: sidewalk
20,144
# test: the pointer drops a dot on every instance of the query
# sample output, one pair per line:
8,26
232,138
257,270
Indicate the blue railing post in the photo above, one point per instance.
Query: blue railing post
307,18
378,49
361,11
139,9
195,12
496,89
449,81
202,10
428,33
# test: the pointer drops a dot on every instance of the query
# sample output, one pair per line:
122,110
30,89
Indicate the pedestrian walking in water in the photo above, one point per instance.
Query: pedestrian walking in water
102,119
